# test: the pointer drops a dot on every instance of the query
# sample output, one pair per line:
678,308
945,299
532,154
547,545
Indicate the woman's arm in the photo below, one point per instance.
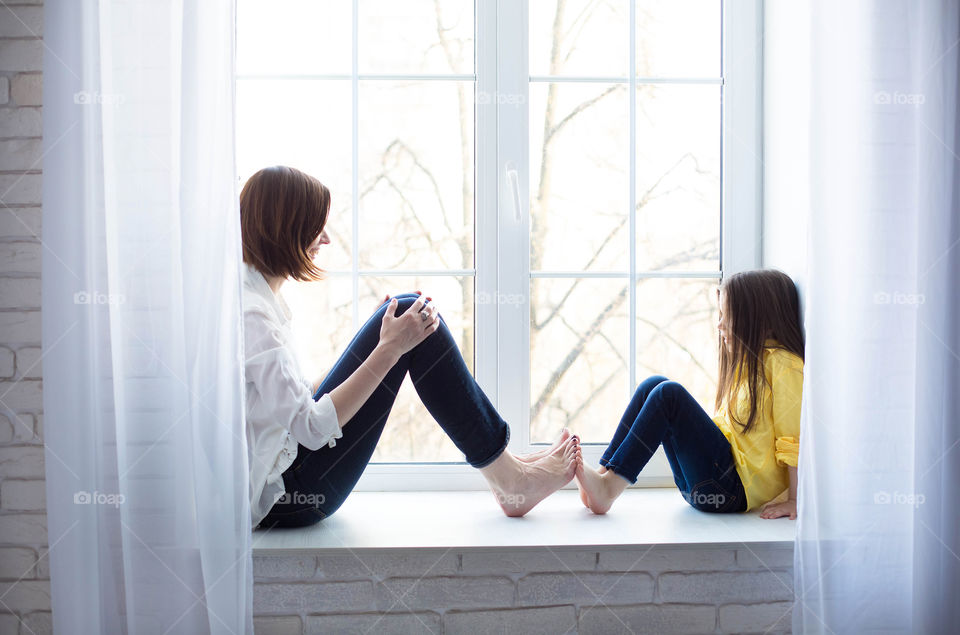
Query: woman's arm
397,336
350,396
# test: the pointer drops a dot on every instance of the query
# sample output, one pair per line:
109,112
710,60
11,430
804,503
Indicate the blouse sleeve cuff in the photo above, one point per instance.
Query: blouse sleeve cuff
787,450
330,414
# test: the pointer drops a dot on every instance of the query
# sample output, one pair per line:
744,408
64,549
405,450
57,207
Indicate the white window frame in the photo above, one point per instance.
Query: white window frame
502,228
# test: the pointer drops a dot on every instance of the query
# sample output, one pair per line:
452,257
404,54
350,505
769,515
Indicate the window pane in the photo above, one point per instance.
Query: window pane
677,334
416,175
579,37
411,434
322,321
678,39
294,36
305,125
678,177
415,36
579,195
578,357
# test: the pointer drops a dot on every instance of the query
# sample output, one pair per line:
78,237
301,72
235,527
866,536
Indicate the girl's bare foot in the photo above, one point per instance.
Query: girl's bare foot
534,456
584,496
598,491
519,486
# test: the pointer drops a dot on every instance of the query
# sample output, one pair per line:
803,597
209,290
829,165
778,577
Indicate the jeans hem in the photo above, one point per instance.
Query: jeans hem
493,457
619,471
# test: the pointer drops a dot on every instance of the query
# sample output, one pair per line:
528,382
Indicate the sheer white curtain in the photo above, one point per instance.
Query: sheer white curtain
878,546
146,457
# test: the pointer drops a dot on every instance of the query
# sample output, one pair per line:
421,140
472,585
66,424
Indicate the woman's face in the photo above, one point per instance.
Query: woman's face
723,324
314,248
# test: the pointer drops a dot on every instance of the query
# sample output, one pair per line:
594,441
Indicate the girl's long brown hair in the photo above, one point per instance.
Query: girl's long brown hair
761,304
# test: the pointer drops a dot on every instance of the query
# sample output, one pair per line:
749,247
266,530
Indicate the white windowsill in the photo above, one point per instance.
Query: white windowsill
465,520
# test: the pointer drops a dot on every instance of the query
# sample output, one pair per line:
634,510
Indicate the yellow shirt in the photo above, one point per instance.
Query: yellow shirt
763,454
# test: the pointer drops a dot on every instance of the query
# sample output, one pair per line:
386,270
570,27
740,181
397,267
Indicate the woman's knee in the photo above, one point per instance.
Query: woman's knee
404,301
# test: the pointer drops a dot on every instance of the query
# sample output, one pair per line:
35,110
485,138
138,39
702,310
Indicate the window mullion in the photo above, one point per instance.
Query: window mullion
485,198
513,176
632,311
742,146
355,162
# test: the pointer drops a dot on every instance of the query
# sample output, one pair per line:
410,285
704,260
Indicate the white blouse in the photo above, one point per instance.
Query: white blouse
280,408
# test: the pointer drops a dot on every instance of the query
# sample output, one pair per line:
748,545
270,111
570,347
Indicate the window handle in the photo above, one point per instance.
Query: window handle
514,180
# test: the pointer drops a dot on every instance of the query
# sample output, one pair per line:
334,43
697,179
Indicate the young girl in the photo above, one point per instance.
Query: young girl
746,455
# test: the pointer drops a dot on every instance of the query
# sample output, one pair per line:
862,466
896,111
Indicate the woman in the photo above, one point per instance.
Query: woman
310,442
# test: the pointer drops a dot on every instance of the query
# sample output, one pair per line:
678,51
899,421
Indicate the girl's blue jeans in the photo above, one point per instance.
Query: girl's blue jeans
318,481
662,412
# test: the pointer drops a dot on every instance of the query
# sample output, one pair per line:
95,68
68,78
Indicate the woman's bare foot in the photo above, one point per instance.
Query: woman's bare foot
534,456
599,490
519,486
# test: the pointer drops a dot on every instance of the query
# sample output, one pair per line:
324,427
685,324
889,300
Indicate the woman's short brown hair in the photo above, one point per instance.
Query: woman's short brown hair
282,211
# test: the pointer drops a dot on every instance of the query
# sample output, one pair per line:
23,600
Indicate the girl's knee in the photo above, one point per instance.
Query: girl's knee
651,382
669,389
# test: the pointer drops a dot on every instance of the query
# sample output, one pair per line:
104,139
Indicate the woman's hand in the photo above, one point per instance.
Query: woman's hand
387,297
405,331
778,510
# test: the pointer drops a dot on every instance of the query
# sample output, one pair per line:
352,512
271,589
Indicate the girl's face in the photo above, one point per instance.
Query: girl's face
723,324
314,248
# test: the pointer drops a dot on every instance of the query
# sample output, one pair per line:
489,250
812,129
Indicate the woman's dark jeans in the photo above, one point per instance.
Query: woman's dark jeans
662,412
318,481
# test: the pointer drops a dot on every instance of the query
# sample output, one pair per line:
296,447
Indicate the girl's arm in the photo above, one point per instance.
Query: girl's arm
787,507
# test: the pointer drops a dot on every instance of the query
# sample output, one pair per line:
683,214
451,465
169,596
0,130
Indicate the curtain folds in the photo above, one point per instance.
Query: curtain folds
146,457
878,544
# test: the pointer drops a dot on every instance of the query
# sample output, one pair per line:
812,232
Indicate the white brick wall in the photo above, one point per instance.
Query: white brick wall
732,588
24,569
